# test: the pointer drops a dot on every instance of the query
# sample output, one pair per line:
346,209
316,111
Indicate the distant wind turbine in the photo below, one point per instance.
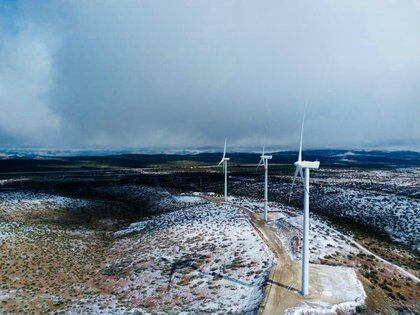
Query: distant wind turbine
224,161
300,166
264,161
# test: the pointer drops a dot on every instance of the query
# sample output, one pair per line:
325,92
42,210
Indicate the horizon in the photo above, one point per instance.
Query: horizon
184,151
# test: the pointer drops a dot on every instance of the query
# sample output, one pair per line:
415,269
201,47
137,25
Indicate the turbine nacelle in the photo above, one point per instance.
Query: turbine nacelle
222,160
307,164
264,158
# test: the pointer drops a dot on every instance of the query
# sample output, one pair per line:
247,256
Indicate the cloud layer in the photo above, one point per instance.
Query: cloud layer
186,74
26,81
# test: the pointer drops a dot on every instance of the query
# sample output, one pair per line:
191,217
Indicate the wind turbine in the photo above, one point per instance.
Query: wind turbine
264,161
224,161
300,166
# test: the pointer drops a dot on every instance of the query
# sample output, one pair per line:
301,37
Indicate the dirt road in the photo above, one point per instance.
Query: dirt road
386,262
283,282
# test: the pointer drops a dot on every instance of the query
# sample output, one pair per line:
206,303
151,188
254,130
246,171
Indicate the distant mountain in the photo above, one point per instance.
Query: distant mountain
360,157
27,160
338,153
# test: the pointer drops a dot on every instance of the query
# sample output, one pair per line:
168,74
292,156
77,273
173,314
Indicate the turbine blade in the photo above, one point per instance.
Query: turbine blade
259,164
301,174
221,161
224,149
303,180
293,182
263,149
301,136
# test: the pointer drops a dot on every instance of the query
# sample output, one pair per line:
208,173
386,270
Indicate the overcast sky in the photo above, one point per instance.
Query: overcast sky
110,74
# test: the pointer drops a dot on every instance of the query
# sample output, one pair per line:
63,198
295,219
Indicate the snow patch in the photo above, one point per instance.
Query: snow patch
188,199
133,228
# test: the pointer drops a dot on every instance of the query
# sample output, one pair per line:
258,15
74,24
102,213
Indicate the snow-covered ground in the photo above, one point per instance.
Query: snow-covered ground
339,288
45,259
207,258
189,199
99,304
323,239
17,206
196,256
406,178
385,200
155,200
398,216
23,201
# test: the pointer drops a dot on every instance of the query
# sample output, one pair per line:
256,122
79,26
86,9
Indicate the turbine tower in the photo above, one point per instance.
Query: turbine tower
264,161
224,161
306,166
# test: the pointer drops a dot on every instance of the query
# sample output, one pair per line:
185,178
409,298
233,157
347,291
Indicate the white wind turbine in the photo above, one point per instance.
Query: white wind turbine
300,166
264,161
224,162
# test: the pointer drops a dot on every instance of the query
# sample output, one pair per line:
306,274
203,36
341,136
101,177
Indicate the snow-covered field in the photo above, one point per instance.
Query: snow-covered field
206,258
19,207
342,292
188,255
43,263
323,239
398,216
24,201
387,201
196,257
156,200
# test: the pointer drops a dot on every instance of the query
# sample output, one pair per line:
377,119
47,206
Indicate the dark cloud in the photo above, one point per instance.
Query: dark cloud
185,74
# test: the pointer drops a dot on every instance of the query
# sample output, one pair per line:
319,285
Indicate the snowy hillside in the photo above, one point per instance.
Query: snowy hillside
206,258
